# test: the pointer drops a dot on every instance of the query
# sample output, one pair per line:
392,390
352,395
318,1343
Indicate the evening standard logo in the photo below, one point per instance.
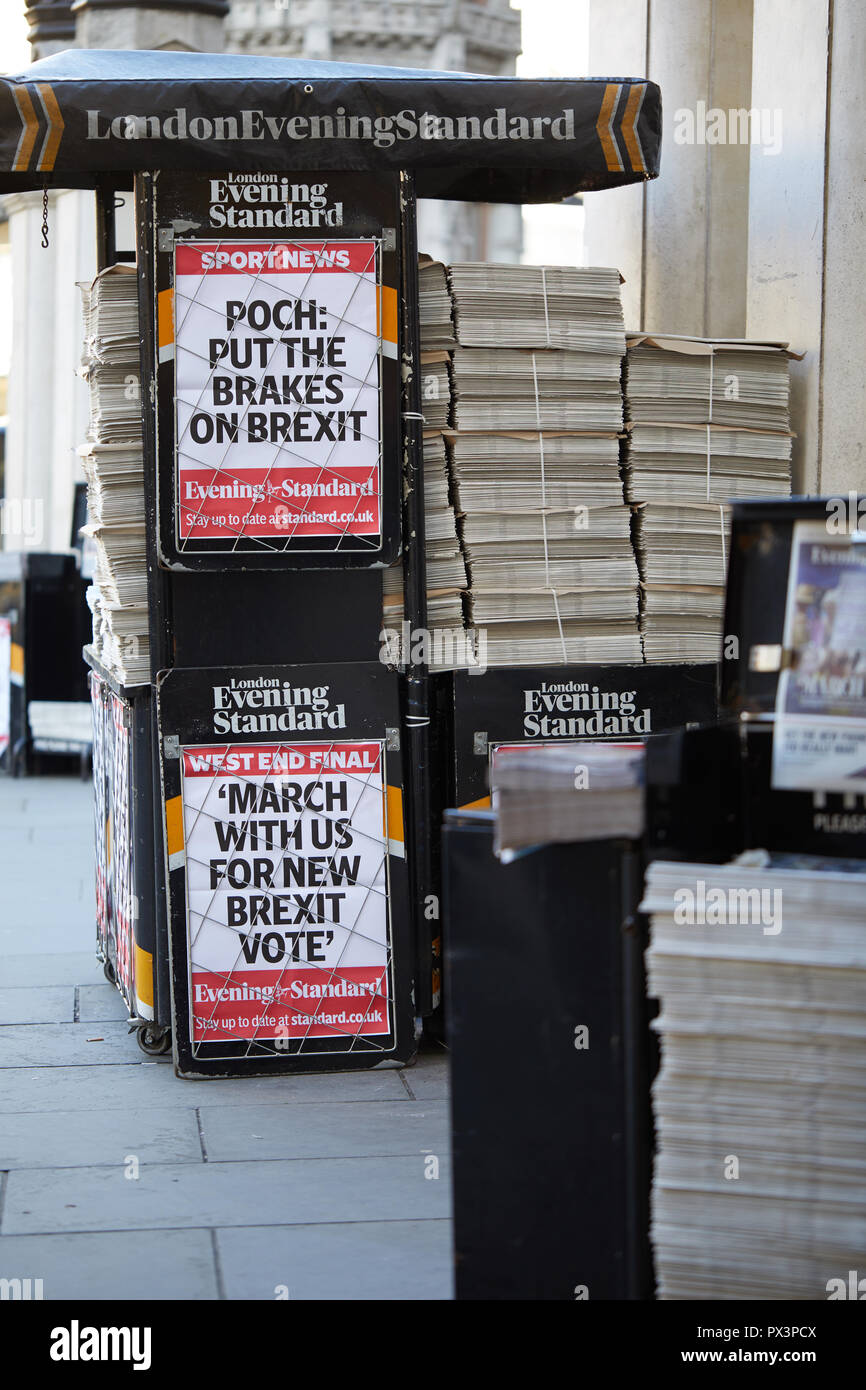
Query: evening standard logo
77,1343
576,709
271,200
380,131
261,705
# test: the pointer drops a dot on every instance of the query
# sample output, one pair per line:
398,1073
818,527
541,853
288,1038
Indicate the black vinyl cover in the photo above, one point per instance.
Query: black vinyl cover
83,113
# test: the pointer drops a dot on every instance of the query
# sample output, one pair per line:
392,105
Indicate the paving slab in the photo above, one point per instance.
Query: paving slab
300,1192
153,1083
428,1079
47,929
58,1044
100,1002
389,1260
59,968
342,1130
157,1265
35,1004
83,1138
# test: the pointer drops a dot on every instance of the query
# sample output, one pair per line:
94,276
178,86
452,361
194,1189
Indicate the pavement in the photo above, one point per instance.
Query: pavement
117,1180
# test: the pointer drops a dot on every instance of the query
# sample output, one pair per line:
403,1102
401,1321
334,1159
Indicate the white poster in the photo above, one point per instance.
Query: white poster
819,741
287,908
278,390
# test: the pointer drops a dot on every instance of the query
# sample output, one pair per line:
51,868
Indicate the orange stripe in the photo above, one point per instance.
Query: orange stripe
482,804
165,317
55,130
31,126
16,659
143,976
392,814
386,313
174,825
602,125
629,122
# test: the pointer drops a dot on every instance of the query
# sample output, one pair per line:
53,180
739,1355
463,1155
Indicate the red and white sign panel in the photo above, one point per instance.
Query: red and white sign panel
277,386
287,909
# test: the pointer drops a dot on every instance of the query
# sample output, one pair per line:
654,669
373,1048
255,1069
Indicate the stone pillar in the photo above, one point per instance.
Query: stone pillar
48,401
807,228
680,240
52,27
180,24
29,433
317,33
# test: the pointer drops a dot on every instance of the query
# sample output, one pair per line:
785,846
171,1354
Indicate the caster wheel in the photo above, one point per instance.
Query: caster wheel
155,1042
109,972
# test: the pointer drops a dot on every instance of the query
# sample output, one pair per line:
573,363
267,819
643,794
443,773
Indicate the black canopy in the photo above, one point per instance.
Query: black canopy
85,113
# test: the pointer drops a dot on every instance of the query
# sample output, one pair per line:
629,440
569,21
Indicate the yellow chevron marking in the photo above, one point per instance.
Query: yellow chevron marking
604,126
629,126
30,124
54,133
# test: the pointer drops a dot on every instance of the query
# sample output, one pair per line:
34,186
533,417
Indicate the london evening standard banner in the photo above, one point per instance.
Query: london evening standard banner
287,909
489,138
820,731
278,399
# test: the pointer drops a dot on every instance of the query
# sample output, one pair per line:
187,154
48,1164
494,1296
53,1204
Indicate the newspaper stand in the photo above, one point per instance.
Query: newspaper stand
538,704
255,179
41,631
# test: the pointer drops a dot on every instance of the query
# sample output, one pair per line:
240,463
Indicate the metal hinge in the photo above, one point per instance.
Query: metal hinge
165,239
392,740
480,743
171,746
389,238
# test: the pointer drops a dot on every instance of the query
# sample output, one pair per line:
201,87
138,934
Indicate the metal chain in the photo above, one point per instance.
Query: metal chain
45,216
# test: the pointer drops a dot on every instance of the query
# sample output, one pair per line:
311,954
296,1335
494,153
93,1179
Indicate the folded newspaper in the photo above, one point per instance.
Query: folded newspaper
566,792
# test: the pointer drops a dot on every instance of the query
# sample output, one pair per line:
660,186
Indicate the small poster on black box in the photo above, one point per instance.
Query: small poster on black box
820,732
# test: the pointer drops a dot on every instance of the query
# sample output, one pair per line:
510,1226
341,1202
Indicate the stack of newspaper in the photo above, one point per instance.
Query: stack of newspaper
706,421
507,389
532,306
435,390
535,463
760,1103
110,311
446,575
564,792
114,468
434,306
682,555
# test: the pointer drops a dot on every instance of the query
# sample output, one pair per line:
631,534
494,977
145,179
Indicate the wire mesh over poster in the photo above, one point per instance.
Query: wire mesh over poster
277,373
283,808
287,896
